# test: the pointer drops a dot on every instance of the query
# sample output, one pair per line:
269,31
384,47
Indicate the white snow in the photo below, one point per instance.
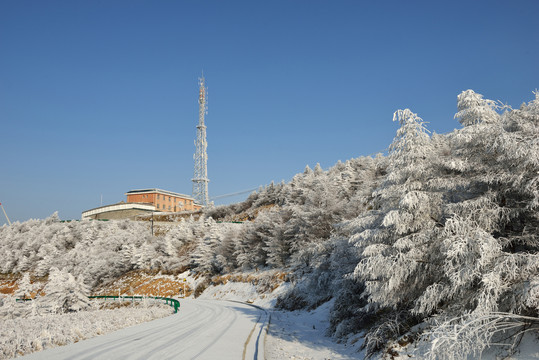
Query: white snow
23,335
204,329
301,335
244,292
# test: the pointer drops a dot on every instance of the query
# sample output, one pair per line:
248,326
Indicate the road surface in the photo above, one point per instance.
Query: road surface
202,329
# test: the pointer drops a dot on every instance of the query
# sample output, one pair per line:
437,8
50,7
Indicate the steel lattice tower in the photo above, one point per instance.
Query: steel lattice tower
200,179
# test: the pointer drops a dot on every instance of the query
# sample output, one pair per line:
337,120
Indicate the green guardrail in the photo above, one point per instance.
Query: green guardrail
172,302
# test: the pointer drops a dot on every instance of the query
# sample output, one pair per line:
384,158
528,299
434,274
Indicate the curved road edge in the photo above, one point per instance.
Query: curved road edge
255,345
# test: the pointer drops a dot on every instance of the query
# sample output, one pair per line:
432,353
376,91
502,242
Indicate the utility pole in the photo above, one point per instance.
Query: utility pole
4,210
152,224
200,179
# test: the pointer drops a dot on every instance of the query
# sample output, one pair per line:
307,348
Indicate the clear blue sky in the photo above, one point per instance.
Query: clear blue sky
100,97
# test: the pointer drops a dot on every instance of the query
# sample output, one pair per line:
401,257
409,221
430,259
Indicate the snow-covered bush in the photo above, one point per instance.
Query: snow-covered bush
64,293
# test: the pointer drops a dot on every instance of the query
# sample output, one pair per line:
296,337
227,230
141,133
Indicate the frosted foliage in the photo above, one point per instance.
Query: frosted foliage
410,146
395,240
143,256
453,229
215,247
179,236
473,109
470,256
89,248
531,298
25,288
64,293
278,244
466,336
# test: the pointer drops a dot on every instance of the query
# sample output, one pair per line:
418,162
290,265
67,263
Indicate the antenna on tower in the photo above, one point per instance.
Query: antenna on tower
200,179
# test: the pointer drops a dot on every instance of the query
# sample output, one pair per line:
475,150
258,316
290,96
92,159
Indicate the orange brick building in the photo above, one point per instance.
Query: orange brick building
163,200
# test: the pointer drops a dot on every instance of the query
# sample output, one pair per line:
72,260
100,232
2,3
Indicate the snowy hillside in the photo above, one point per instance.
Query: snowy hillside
437,242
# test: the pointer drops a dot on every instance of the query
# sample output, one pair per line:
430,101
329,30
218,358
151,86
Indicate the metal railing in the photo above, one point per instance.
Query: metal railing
172,302
169,301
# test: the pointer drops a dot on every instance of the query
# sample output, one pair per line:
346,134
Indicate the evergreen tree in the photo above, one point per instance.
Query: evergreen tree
397,237
64,293
25,288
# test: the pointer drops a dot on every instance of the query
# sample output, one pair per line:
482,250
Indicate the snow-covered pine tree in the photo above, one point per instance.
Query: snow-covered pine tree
25,288
249,249
204,257
473,109
226,261
64,293
144,255
490,247
277,244
396,238
10,308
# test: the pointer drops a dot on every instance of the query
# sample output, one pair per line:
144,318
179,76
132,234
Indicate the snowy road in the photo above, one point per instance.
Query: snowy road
203,329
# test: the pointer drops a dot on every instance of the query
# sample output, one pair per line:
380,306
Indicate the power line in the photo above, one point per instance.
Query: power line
234,194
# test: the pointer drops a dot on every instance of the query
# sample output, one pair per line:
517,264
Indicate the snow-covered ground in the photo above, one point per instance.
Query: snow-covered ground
291,335
214,329
203,329
24,335
228,321
301,335
228,329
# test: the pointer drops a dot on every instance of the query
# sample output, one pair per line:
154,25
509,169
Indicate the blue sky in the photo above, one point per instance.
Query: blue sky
100,97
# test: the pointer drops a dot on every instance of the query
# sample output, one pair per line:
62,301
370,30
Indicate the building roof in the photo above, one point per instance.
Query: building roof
117,207
165,192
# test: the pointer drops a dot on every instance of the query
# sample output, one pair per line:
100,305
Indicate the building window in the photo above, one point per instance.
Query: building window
158,196
158,206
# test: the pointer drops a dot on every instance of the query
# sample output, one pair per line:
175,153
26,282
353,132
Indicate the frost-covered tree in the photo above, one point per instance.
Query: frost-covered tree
473,109
396,238
478,255
490,247
64,293
25,288
277,243
144,255
205,257
488,250
249,249
9,307
226,261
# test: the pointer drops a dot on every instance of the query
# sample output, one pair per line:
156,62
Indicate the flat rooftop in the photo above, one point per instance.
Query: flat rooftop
160,191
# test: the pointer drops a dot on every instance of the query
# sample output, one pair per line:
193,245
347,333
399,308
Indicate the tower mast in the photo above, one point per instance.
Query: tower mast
200,179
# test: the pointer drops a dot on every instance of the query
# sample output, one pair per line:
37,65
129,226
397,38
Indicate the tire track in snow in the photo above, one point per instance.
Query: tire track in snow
140,339
203,329
115,343
259,348
193,335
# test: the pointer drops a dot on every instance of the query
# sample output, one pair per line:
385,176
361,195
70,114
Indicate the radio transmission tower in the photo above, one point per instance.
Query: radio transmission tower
200,180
